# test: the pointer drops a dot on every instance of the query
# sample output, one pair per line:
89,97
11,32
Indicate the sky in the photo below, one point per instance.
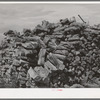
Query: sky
19,16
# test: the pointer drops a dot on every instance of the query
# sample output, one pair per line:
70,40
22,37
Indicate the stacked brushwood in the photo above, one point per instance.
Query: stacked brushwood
52,55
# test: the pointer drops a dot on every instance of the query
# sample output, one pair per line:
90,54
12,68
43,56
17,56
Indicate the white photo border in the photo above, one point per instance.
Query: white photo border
18,93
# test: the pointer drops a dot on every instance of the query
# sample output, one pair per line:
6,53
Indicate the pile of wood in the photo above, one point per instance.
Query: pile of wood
53,55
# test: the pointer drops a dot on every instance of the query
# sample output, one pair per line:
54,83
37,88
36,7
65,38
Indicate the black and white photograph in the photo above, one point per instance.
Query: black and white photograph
49,45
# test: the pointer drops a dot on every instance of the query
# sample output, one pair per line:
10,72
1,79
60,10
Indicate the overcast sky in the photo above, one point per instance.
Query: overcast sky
19,16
